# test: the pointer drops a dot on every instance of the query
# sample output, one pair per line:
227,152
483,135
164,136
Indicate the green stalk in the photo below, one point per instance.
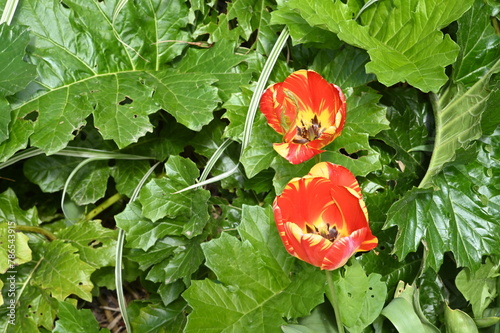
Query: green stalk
332,296
103,206
50,236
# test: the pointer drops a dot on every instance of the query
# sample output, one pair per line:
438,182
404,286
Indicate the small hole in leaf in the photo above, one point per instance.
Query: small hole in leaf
95,244
153,93
349,295
135,116
80,283
382,248
126,101
354,156
373,296
64,5
370,288
32,116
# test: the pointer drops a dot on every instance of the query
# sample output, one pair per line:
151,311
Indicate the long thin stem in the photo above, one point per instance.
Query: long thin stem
332,296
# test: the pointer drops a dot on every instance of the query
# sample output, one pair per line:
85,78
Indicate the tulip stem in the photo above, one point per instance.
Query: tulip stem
332,296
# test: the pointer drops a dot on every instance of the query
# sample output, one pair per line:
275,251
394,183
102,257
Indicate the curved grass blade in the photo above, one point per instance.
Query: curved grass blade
8,11
72,152
119,254
252,110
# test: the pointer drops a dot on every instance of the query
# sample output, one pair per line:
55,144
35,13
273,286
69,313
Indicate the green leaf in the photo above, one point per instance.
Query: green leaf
365,118
260,152
459,109
77,77
478,45
158,199
479,287
404,312
95,244
156,318
458,216
344,67
229,77
300,31
361,297
63,273
256,288
320,320
407,115
11,212
73,320
127,175
14,249
142,233
457,321
403,38
15,73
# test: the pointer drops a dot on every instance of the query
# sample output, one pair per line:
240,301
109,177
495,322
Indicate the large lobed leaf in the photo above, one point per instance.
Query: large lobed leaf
403,38
257,285
459,108
460,215
72,44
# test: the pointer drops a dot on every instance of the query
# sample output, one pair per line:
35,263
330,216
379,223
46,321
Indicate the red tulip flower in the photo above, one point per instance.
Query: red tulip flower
322,218
307,110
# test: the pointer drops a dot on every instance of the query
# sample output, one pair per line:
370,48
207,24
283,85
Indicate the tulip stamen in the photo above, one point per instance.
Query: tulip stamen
330,233
307,133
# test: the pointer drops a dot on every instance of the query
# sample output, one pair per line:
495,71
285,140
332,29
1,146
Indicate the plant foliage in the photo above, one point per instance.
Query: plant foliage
95,94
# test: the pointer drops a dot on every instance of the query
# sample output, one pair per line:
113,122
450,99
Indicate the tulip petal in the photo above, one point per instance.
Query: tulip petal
279,110
315,248
343,249
304,200
315,94
296,153
338,174
293,236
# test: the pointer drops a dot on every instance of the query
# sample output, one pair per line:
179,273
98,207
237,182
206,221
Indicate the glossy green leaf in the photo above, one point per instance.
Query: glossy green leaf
457,321
257,286
459,109
229,76
15,73
403,38
73,320
479,287
459,215
127,175
408,115
403,313
479,45
11,212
